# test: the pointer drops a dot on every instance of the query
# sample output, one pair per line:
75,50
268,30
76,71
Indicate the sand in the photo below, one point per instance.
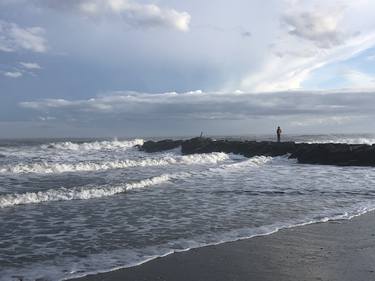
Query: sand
340,250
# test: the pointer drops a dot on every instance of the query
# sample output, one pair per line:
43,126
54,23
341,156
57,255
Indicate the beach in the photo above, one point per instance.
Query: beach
342,250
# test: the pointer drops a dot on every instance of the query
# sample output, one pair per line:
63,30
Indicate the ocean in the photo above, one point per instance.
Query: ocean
77,206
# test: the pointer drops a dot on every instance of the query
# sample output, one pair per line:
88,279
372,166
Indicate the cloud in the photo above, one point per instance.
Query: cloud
15,74
200,105
321,121
133,13
46,118
30,65
14,38
26,68
309,38
359,80
246,34
320,27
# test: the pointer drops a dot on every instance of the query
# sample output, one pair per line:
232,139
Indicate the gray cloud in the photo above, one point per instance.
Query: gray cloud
246,34
316,26
211,106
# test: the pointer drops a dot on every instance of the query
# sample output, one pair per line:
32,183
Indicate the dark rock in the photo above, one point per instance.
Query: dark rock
156,146
335,154
198,145
246,148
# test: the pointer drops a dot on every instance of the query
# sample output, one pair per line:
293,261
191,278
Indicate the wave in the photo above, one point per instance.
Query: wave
256,161
126,258
78,193
97,145
55,168
130,258
91,192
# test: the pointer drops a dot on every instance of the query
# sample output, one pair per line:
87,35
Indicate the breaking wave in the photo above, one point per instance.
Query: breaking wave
78,193
97,145
255,161
91,192
55,168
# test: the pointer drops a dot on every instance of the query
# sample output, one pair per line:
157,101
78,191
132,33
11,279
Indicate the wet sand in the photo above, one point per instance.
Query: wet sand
340,250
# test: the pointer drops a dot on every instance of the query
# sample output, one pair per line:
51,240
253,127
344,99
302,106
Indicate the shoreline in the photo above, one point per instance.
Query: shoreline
316,251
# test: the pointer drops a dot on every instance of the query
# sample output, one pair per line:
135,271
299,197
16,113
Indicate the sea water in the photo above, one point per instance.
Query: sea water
73,207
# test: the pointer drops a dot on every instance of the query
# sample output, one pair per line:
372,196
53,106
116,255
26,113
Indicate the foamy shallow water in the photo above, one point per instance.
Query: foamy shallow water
71,208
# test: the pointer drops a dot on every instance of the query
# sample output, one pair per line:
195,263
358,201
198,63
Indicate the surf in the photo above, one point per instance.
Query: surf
90,166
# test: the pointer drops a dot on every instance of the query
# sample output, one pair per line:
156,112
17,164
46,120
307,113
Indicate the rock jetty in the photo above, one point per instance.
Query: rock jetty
321,153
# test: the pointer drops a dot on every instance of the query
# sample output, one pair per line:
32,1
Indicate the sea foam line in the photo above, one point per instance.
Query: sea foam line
101,263
78,193
199,242
56,168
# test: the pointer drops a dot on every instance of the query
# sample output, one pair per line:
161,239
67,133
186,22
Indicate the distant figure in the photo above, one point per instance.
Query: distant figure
278,132
201,135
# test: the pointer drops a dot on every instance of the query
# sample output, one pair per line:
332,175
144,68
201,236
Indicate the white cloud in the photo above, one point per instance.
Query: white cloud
311,36
290,70
14,37
133,13
15,74
338,120
359,80
46,118
30,65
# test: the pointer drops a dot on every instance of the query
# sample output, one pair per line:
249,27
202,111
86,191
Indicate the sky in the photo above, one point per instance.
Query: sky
124,68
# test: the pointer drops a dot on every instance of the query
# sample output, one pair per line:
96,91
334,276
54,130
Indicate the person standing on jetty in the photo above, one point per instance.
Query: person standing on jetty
278,132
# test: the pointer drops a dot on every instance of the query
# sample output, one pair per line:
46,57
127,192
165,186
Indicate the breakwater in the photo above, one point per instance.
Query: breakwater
318,153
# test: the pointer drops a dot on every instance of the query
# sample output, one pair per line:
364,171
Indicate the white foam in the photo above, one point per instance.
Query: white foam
133,258
55,168
205,158
97,145
67,268
91,192
256,161
78,193
368,141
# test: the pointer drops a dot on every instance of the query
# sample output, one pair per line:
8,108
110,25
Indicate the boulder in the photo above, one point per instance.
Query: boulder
157,146
335,154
